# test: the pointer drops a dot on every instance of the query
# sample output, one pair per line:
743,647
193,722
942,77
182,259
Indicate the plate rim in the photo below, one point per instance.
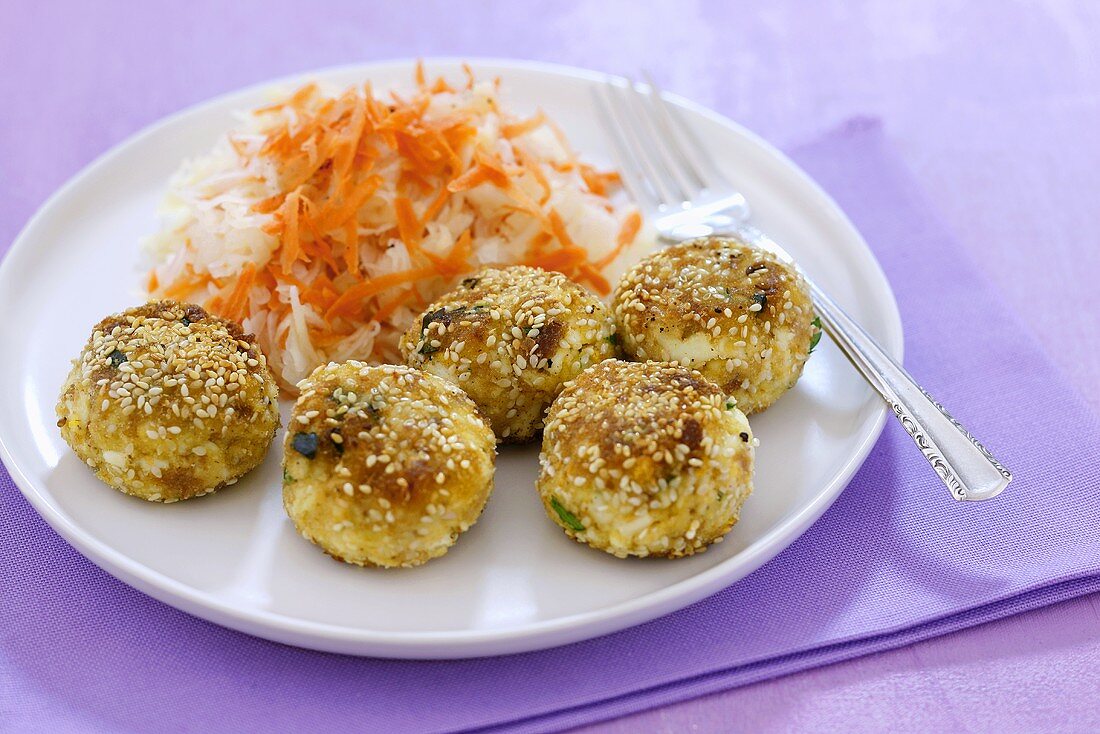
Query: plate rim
445,644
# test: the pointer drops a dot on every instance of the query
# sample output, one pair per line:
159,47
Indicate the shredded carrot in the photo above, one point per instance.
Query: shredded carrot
437,204
457,259
327,337
563,260
557,227
491,162
598,182
488,170
185,284
239,147
534,250
348,144
337,213
291,242
525,203
269,204
409,227
351,245
357,293
236,303
595,277
627,234
515,129
532,167
295,100
386,310
470,179
341,176
441,86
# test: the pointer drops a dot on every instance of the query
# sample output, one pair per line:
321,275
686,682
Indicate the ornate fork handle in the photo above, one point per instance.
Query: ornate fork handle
965,466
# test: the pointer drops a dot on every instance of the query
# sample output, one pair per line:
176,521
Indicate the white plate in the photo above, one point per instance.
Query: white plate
515,582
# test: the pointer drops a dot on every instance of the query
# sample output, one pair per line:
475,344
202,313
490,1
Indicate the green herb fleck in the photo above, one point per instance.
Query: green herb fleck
443,315
287,478
721,496
116,357
817,333
613,340
305,444
428,348
730,405
566,516
760,299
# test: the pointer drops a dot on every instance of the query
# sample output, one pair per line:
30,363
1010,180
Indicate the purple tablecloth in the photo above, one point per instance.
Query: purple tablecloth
80,650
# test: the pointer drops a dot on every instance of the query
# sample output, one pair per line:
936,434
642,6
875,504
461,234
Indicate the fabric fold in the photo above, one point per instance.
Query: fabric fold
895,560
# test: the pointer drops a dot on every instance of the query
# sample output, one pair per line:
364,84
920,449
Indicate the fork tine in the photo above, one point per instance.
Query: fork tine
695,159
636,183
667,197
658,141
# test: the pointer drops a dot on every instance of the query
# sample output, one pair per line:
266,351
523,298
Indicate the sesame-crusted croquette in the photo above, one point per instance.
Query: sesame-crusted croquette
168,402
734,312
385,466
511,337
645,459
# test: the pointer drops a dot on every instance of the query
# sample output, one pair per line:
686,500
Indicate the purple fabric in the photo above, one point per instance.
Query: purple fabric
892,562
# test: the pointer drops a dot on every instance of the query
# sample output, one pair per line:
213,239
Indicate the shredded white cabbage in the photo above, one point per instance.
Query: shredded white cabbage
226,214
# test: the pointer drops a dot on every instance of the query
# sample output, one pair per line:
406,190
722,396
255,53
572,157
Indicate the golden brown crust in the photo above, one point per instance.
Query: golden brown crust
168,402
650,458
736,313
510,337
385,465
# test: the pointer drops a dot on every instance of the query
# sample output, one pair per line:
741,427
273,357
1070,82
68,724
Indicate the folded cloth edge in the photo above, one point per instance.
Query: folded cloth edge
764,668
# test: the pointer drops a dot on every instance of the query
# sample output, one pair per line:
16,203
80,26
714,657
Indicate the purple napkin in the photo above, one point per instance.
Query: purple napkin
895,560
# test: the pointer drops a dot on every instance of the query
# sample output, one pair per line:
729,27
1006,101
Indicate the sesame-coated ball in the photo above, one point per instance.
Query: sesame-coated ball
168,402
511,337
385,466
645,459
732,311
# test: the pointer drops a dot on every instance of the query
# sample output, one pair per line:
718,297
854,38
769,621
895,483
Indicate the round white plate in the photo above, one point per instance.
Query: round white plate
515,582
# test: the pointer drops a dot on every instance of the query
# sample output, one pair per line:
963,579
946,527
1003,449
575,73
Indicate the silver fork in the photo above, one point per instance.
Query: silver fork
674,181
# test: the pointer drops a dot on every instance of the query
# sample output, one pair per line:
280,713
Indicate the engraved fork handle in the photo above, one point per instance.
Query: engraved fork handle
965,466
